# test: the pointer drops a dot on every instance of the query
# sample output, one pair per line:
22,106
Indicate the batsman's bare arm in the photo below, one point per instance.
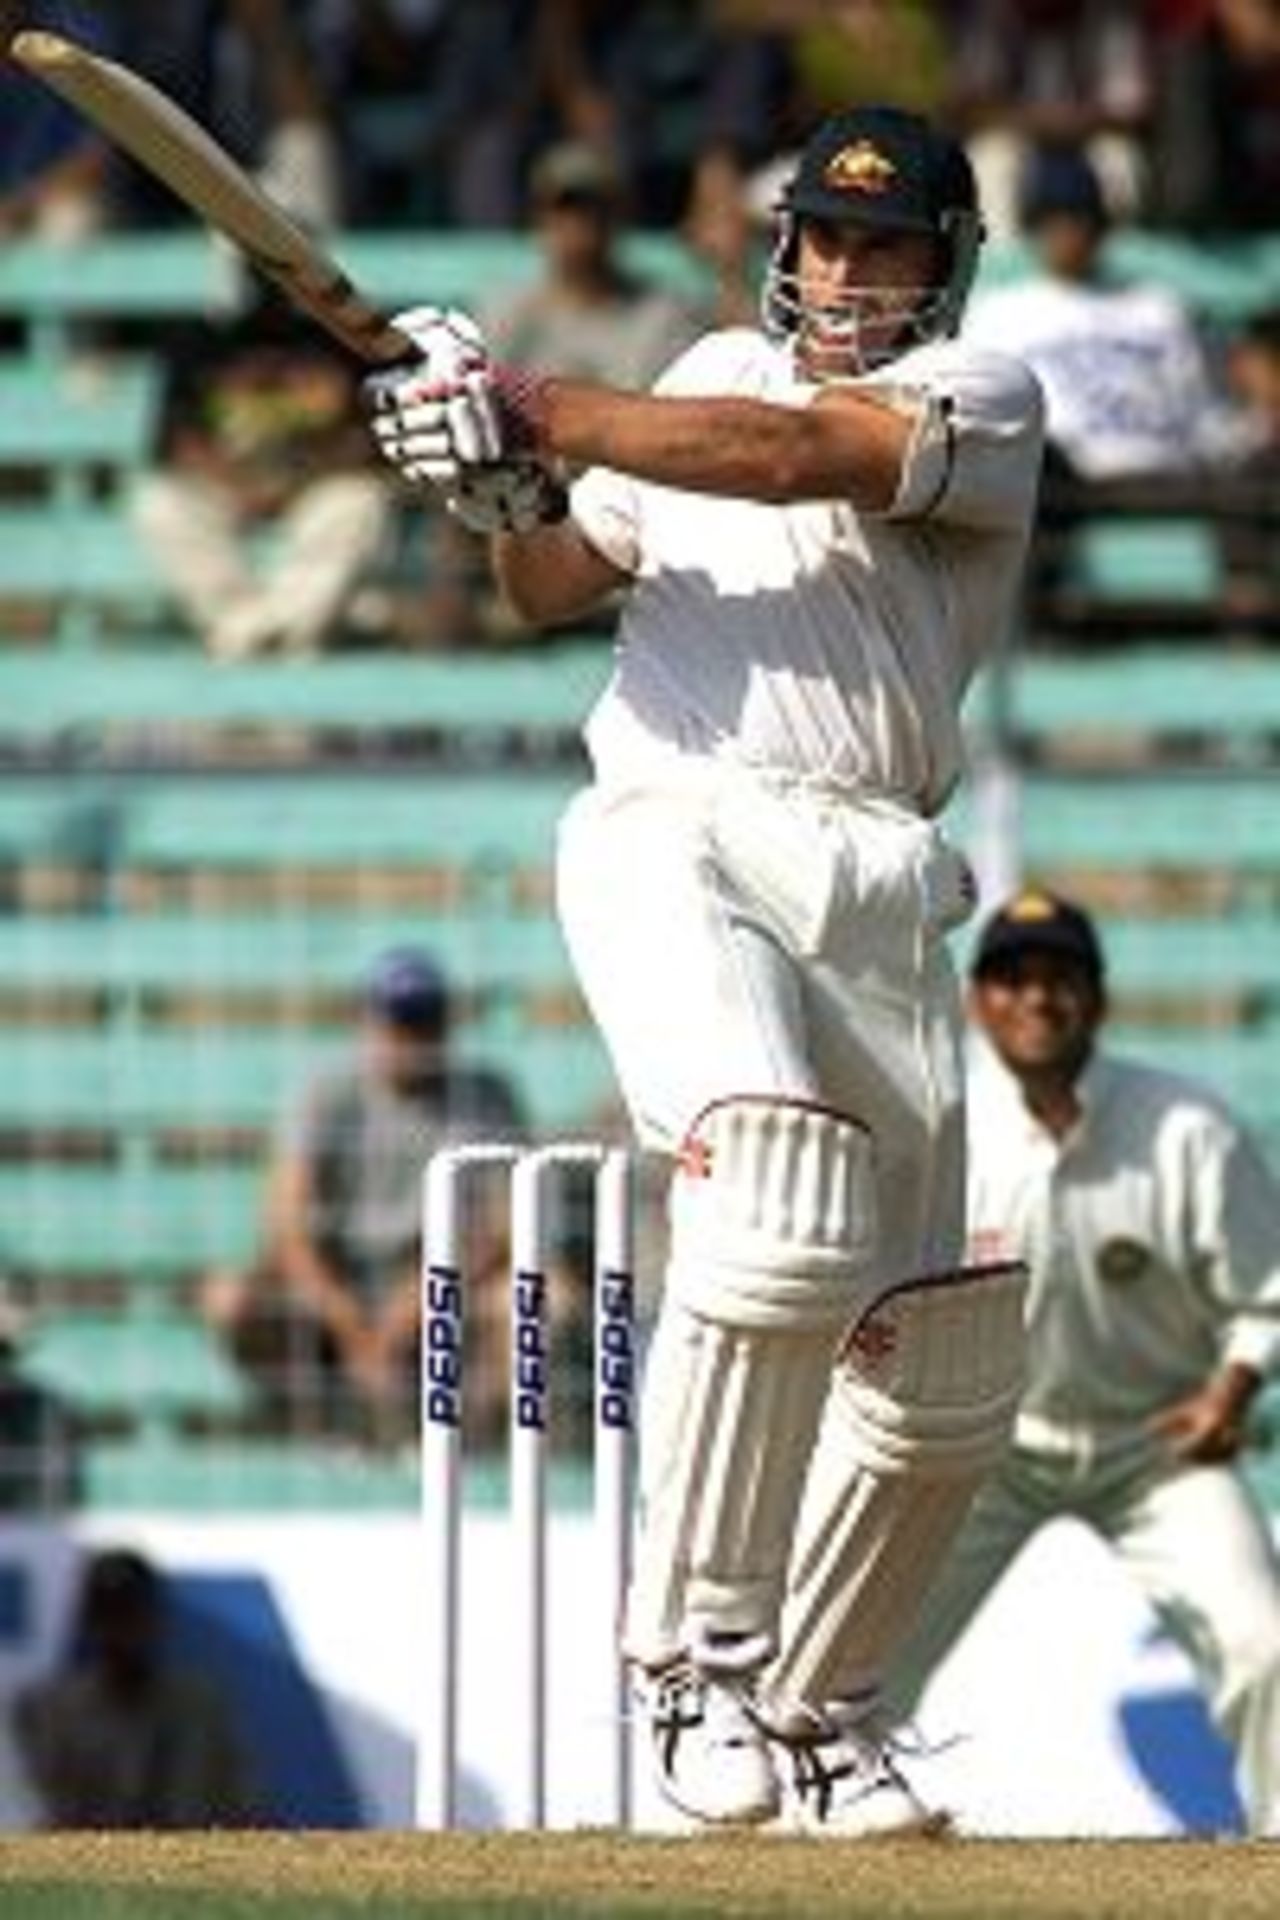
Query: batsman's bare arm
844,445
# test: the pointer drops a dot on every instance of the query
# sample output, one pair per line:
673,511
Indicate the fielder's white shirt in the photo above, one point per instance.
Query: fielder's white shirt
1126,387
813,638
1152,1233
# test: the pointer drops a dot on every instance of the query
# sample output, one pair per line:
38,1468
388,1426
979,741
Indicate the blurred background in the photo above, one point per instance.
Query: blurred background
279,781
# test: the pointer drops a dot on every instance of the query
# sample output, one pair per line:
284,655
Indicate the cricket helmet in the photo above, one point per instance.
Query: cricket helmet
886,168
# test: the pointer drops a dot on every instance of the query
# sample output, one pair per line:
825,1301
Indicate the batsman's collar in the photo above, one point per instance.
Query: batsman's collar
1036,921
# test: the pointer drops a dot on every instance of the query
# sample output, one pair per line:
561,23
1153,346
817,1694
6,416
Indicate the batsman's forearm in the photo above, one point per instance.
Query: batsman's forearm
551,574
746,449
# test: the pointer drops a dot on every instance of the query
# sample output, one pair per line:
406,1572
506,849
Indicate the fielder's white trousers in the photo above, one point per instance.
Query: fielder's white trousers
1197,1543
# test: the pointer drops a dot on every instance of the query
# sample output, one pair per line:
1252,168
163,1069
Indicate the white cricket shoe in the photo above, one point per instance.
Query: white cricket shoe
846,1783
713,1761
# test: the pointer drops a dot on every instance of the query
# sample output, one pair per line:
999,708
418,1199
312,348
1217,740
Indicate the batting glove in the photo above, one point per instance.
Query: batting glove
448,343
449,347
514,496
489,414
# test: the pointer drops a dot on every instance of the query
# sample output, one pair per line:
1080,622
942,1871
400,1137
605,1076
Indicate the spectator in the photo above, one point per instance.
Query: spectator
244,69
1127,387
1151,1227
587,316
659,85
439,106
1029,73
39,1439
1216,149
53,166
1251,530
328,1318
263,511
894,50
123,1737
1133,417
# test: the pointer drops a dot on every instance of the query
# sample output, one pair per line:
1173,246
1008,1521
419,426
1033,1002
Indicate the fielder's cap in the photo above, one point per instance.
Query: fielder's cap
574,170
1034,921
407,988
1059,180
882,167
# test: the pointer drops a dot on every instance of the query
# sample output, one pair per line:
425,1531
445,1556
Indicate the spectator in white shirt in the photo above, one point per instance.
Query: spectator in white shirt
1127,388
1151,1228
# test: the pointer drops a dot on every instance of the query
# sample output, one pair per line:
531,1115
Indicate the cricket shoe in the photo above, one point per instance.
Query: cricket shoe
846,1783
713,1760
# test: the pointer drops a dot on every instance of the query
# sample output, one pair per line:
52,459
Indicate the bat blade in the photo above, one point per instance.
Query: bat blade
164,139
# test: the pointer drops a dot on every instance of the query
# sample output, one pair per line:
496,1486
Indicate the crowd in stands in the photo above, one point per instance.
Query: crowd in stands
577,122
434,110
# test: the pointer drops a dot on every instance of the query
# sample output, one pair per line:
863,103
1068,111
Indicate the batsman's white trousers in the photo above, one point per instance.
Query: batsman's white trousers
746,937
745,933
1194,1539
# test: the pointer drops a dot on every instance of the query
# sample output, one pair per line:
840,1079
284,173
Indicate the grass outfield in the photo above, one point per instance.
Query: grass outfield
329,1876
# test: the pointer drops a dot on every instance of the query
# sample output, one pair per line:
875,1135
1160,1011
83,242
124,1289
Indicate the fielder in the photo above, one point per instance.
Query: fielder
818,527
1151,1228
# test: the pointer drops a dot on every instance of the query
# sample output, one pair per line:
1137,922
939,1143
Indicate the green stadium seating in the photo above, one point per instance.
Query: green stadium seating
1146,694
72,438
157,277
536,696
1141,782
1146,559
154,1024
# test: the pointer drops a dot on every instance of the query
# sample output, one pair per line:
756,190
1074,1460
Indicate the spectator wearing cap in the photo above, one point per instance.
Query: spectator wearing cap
326,1320
1127,387
1033,73
586,316
1150,1225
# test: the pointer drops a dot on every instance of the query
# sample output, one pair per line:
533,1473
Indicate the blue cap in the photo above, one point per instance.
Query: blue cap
1037,921
1060,180
407,988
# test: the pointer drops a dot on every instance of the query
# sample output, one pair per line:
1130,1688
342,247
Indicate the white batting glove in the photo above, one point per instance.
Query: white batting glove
449,346
448,341
435,433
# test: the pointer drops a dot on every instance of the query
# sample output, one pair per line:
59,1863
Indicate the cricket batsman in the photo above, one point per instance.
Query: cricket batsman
817,527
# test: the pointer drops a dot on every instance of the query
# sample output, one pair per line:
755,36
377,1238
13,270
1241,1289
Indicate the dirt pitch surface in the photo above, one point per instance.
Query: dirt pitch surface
333,1876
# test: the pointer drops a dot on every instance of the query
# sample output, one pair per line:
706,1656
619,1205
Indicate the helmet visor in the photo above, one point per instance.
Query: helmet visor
853,331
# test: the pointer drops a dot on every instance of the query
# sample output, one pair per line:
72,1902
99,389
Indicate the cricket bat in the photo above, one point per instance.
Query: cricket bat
163,138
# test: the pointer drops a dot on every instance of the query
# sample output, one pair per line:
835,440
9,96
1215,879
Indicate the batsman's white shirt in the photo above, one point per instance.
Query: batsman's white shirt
813,638
1152,1234
753,891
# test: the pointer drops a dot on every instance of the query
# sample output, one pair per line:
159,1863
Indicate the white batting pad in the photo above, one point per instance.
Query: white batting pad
773,1216
921,1408
728,1423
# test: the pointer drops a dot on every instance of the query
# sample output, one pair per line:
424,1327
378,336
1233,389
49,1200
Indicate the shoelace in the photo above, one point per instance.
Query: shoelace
682,1700
818,1766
